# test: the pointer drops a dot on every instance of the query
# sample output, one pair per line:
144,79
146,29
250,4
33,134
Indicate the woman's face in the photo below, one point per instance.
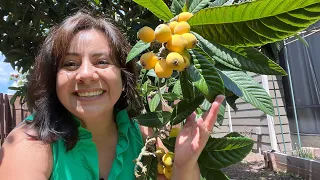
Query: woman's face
88,84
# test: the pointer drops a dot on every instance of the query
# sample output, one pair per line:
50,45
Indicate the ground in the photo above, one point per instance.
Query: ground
252,168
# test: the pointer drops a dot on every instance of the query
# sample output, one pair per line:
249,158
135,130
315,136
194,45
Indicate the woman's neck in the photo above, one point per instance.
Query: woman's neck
102,128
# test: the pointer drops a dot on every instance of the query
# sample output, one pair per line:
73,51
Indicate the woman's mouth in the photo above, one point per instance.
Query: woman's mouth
90,94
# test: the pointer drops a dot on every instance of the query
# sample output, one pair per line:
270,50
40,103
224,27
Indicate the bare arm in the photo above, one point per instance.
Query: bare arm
24,158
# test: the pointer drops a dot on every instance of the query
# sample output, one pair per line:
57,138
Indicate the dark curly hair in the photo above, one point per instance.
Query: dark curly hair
52,120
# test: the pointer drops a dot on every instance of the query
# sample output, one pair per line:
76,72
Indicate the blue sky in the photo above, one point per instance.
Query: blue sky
5,70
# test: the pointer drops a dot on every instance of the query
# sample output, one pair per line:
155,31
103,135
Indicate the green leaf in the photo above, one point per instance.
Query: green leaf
137,49
184,108
14,88
157,7
186,86
301,39
212,174
242,85
218,3
177,6
171,96
205,77
196,5
223,152
152,173
231,100
154,103
154,119
177,88
255,23
248,59
14,97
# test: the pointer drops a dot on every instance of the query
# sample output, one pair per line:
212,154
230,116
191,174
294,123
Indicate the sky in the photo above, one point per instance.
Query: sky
5,70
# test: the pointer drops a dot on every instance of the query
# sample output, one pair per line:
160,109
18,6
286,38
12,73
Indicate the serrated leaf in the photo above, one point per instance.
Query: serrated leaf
154,103
248,59
205,77
242,85
255,23
196,5
138,48
184,108
157,7
177,6
212,174
154,119
223,152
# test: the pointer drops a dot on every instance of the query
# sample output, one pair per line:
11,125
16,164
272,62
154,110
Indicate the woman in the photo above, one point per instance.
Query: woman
79,90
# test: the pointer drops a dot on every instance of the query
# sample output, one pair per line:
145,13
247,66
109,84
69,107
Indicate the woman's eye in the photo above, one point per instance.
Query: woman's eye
103,62
71,65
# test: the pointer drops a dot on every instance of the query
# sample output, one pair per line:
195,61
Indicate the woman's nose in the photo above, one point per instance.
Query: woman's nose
86,73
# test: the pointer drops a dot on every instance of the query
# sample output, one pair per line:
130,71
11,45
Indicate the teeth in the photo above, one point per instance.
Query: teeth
89,94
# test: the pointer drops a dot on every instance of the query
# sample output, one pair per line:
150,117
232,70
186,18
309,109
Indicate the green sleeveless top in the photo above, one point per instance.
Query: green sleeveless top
81,163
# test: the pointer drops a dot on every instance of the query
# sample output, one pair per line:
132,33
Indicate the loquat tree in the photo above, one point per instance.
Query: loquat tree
201,49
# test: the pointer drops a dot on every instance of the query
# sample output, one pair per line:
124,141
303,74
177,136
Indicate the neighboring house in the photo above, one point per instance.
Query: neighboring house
304,65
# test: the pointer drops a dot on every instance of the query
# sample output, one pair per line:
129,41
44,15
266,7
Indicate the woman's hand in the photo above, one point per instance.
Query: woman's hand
191,141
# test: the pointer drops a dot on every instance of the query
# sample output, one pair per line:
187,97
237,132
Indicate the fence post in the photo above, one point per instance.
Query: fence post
272,132
8,117
1,118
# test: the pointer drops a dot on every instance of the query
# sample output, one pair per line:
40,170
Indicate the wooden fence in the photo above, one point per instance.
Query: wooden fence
10,116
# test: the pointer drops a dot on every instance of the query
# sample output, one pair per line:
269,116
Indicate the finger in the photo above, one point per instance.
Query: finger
210,116
190,119
160,144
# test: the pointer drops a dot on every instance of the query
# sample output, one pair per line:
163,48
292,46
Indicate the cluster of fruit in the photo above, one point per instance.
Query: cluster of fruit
176,39
165,162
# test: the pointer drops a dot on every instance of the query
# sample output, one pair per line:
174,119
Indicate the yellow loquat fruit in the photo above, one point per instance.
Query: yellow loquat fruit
182,27
162,69
184,16
167,159
162,33
191,39
172,25
175,60
160,152
146,34
148,60
167,171
174,132
186,56
160,168
177,43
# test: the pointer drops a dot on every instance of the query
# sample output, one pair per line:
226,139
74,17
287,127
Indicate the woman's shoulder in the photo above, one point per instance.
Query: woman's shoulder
24,155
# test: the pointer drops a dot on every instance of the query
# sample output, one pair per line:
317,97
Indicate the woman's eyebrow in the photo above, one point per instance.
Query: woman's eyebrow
100,54
72,54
